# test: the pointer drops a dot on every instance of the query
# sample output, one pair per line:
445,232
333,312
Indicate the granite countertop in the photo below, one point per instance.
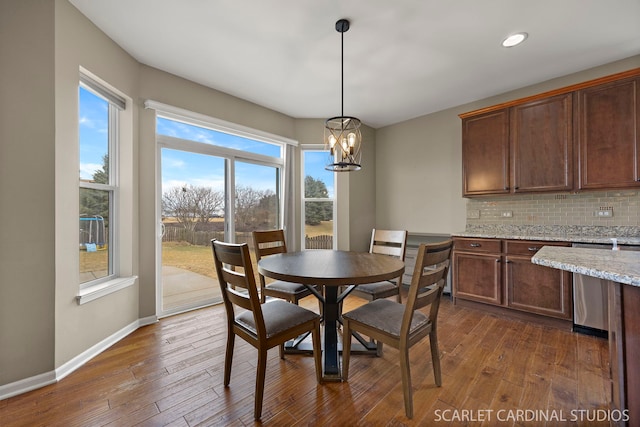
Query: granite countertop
618,266
572,234
550,237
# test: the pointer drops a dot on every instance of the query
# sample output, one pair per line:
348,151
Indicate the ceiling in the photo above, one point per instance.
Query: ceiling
402,58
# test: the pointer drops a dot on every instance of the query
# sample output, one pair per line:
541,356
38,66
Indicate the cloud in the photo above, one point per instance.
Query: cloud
88,169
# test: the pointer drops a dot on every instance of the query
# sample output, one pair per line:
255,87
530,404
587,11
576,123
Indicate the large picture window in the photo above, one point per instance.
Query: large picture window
98,143
218,180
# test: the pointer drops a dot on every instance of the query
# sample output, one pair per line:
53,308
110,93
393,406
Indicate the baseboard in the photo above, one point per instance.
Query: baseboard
41,380
27,384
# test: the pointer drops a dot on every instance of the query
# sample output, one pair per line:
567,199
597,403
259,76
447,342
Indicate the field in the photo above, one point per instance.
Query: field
184,255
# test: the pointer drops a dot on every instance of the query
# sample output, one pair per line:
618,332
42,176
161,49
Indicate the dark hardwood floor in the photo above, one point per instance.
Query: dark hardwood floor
170,373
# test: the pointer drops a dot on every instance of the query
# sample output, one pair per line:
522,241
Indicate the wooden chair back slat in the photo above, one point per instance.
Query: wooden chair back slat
429,278
389,242
238,288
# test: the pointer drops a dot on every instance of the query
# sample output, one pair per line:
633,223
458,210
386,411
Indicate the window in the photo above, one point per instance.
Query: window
99,109
318,207
218,180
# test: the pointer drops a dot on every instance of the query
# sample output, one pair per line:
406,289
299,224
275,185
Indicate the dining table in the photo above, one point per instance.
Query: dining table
331,275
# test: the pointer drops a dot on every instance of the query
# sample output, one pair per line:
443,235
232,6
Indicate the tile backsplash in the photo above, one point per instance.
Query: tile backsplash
606,208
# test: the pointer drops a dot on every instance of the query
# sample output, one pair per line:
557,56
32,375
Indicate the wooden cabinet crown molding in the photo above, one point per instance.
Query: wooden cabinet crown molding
578,86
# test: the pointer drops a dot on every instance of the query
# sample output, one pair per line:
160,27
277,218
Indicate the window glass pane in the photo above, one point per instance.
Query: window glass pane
318,225
319,196
208,136
256,204
94,234
322,181
94,137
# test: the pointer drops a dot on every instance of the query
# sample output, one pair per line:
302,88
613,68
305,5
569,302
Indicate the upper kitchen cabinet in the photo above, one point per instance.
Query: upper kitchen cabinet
542,145
524,148
485,153
607,134
580,137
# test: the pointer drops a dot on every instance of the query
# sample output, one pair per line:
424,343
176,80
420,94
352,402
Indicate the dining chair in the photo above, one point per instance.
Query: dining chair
268,243
386,242
403,325
264,326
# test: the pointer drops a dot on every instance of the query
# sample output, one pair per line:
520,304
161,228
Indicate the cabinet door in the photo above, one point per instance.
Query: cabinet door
537,289
608,120
485,153
541,143
477,277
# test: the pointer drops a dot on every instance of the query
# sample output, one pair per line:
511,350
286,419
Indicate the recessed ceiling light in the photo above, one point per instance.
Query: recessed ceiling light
514,39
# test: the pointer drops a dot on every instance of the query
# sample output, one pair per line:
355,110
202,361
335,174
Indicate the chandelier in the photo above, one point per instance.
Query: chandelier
342,137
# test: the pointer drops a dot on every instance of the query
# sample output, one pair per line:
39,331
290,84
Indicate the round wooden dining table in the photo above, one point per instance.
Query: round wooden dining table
332,269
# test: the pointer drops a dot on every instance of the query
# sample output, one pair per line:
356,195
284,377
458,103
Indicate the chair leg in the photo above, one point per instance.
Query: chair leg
379,348
435,357
228,357
346,349
405,370
260,376
317,350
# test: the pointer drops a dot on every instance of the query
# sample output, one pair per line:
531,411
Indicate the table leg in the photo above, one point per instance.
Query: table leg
331,362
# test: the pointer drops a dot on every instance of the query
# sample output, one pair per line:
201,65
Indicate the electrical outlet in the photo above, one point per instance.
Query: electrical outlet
473,213
507,214
604,214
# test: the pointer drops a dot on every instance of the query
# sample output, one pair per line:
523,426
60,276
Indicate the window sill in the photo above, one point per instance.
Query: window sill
98,291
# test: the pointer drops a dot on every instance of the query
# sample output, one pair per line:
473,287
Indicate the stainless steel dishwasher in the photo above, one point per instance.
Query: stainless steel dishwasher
590,297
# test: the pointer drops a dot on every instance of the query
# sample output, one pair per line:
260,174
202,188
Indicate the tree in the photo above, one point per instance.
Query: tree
96,202
254,208
191,205
316,211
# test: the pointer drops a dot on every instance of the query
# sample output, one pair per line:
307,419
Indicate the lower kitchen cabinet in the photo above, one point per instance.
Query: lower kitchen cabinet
477,270
500,272
624,347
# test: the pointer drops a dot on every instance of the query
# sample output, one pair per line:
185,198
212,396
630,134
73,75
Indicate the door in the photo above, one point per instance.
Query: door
193,208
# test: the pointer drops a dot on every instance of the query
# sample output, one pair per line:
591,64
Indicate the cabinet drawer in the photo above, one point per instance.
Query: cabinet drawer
528,247
477,245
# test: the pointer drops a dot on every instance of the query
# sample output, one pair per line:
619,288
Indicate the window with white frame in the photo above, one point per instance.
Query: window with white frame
318,201
99,109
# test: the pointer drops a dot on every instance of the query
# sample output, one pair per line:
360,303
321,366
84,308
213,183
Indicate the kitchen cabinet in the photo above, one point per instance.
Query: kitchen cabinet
477,272
624,347
608,135
541,136
525,148
581,137
534,288
500,272
485,153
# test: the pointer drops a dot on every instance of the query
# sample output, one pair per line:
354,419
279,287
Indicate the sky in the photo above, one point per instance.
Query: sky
182,167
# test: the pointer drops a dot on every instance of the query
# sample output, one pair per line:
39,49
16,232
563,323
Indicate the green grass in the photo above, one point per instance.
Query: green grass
186,256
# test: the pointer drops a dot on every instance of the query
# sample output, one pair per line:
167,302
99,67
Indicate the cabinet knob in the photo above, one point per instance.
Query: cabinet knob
475,245
498,260
533,249
516,188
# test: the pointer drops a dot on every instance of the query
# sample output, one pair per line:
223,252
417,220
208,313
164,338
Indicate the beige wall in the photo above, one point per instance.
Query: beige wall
79,327
27,253
42,46
166,88
419,162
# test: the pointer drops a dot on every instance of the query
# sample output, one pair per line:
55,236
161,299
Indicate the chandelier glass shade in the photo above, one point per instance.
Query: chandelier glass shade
342,137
